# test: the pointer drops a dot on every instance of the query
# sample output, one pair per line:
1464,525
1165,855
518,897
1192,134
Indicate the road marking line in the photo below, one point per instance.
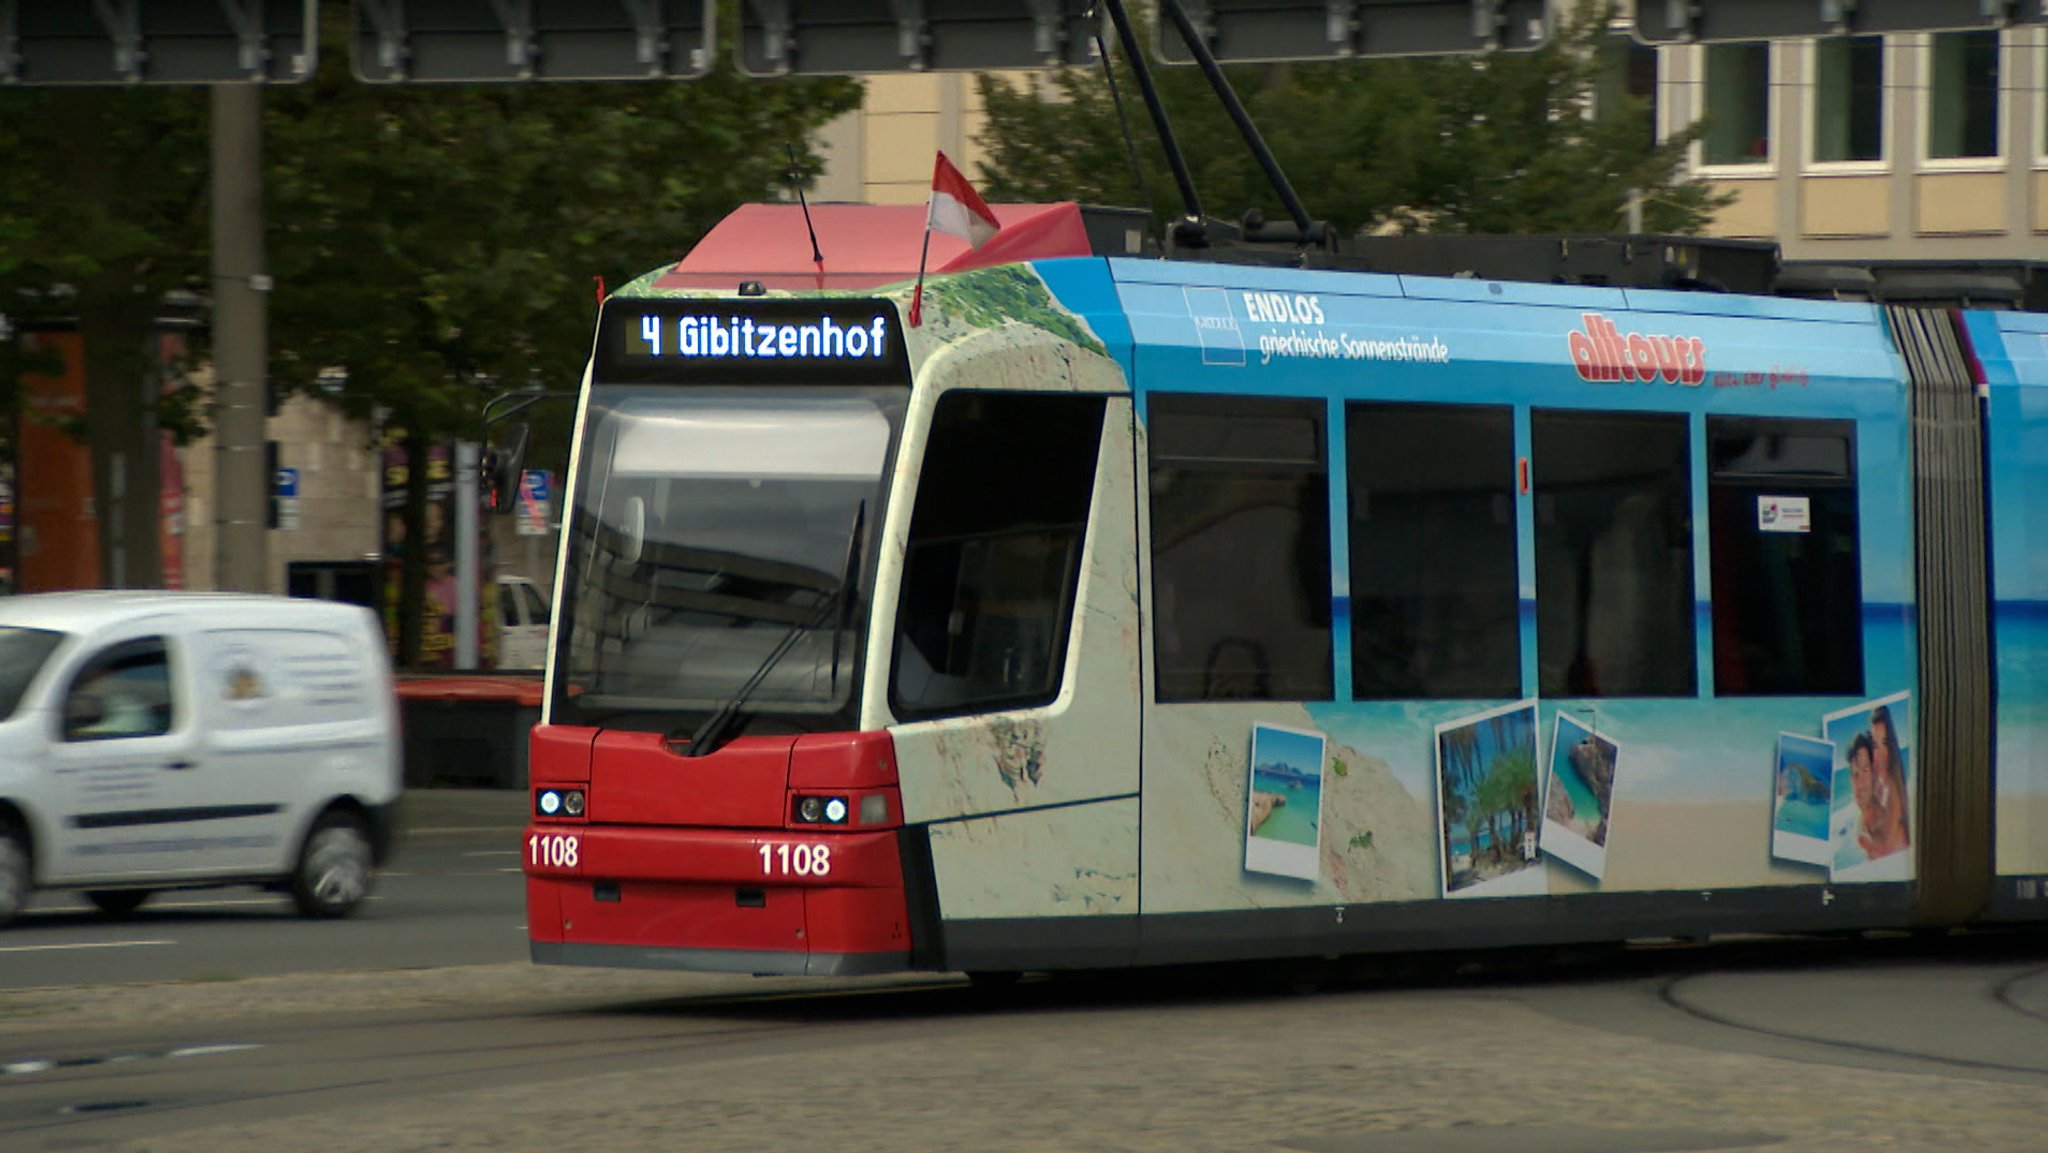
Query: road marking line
492,853
81,945
211,1050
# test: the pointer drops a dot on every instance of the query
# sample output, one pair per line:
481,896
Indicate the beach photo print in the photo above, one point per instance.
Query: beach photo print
1283,825
1799,808
1578,795
1487,805
1870,825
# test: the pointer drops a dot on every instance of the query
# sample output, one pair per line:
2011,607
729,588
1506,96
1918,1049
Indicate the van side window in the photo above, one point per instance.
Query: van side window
1240,549
993,562
1614,591
1787,580
123,692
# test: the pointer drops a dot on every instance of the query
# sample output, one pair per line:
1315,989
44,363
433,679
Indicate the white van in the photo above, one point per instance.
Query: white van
153,740
522,624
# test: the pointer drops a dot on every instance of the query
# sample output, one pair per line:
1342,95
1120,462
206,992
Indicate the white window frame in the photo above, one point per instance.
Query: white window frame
1773,107
1809,94
1923,92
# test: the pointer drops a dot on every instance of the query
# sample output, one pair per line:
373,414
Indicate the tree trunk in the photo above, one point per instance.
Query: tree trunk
117,331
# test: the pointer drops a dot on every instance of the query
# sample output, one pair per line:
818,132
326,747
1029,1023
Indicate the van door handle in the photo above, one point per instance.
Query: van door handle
179,765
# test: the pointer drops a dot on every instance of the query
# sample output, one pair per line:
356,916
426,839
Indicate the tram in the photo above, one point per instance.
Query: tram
1133,611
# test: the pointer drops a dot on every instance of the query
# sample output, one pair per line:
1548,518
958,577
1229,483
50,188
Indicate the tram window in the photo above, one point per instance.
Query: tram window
1434,603
1240,549
1614,589
994,557
1782,539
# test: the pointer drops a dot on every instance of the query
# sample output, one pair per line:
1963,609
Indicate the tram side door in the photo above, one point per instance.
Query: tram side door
1014,677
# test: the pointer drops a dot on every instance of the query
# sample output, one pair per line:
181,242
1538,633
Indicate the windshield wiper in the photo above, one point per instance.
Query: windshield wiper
838,607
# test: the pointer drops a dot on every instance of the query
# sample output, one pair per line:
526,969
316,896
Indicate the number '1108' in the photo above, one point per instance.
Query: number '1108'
796,860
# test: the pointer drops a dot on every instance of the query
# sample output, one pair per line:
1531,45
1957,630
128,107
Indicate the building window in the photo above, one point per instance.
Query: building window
1962,96
1737,103
1848,99
993,562
1614,591
1240,549
1434,598
1787,584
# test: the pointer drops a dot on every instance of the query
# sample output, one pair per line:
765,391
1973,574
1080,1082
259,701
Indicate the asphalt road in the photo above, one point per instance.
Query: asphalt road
451,896
1797,1051
222,1023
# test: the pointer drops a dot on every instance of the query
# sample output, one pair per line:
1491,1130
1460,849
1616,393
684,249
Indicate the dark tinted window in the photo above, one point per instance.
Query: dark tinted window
1614,590
1433,596
1240,548
994,556
1787,580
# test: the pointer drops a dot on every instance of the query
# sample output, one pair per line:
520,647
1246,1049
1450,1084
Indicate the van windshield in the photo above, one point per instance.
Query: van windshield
720,538
22,655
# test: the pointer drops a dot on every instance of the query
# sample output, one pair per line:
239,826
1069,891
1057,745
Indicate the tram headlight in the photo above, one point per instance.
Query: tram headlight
558,802
815,810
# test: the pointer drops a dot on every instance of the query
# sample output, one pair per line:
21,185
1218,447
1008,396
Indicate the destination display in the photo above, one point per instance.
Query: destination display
714,341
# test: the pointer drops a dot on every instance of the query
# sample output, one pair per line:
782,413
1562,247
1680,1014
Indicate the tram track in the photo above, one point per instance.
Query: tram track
1675,993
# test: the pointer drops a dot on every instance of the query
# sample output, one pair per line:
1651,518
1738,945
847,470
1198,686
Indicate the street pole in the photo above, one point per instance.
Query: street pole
468,578
241,344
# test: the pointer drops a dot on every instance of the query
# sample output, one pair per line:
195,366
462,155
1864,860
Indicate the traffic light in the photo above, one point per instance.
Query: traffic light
501,465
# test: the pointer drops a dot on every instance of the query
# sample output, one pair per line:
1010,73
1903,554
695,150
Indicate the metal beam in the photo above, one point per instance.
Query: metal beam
122,20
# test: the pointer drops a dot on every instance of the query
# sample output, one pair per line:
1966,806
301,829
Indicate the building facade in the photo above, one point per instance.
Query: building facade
1914,146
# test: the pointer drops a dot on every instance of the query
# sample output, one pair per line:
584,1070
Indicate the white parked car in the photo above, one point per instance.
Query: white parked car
522,624
153,740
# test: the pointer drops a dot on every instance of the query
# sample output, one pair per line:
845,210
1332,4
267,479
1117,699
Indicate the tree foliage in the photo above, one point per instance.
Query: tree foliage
437,244
1511,142
428,245
103,213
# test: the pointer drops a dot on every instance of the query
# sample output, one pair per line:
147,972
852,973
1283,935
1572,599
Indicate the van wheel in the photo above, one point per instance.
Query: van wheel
14,877
117,902
335,867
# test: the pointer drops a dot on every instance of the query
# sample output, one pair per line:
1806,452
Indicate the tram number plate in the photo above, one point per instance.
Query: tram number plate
787,860
553,851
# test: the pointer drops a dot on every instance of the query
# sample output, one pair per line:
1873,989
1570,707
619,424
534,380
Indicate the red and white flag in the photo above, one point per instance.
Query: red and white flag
956,210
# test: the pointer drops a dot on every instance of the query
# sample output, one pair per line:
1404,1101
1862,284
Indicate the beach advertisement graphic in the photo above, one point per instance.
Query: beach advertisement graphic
1799,807
1578,795
1284,819
1870,822
1486,796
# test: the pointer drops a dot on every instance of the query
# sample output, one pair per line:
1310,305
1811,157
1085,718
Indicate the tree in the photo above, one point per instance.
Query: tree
432,246
1496,143
102,214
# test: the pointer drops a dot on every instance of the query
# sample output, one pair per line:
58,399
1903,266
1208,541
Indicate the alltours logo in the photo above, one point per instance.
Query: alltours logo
1603,354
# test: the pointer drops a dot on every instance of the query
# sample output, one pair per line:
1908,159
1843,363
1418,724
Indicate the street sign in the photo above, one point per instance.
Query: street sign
535,506
484,40
285,490
158,41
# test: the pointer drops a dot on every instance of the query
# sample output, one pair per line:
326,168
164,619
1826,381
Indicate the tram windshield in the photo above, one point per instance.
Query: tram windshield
720,545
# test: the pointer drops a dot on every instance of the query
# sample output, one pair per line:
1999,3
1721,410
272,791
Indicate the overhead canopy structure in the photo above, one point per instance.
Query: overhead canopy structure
415,41
1667,21
157,41
1244,31
864,245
